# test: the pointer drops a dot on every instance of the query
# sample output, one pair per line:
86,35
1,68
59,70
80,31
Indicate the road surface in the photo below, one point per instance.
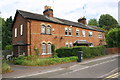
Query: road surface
95,69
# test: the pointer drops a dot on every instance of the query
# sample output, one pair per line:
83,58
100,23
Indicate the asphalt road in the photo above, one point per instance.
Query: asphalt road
97,69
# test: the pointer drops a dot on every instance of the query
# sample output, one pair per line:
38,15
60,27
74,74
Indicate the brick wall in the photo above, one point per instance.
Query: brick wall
59,31
33,37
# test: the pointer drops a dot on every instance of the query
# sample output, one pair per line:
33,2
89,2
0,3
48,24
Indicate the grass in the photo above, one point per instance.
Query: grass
6,67
35,61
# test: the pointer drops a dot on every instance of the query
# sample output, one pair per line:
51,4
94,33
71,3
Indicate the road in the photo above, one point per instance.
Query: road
96,69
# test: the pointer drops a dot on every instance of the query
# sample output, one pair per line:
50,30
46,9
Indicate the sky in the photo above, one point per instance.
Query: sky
65,9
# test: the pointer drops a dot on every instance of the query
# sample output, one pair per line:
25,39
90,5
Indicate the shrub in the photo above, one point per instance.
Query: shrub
113,38
6,68
64,52
88,52
8,47
43,62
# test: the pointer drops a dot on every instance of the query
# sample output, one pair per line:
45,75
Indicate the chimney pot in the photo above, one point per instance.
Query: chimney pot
48,11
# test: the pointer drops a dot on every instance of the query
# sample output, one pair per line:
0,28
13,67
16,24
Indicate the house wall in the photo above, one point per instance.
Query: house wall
55,38
20,38
33,38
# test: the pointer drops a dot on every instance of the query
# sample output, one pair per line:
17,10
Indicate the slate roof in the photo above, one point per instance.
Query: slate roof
39,17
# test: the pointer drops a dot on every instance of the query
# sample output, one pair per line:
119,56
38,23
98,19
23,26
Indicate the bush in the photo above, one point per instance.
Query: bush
6,68
8,47
64,52
43,62
88,52
113,38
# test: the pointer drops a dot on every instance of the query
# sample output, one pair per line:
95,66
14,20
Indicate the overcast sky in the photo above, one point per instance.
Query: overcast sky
65,9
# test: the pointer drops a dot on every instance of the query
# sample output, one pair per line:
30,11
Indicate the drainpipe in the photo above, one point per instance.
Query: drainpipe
30,34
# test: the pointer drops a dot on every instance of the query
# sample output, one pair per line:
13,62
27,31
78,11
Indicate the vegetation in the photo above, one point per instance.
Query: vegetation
5,67
107,22
6,32
88,52
93,22
54,54
113,37
36,61
8,47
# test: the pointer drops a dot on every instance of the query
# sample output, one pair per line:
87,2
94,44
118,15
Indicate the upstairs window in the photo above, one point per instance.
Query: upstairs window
43,48
90,34
66,31
49,48
48,29
83,33
21,29
70,32
43,29
77,33
15,32
99,35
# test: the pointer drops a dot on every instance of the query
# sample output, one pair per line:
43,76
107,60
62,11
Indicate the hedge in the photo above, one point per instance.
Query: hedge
88,52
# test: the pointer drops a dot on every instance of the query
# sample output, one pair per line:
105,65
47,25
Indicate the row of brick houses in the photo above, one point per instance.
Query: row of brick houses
32,31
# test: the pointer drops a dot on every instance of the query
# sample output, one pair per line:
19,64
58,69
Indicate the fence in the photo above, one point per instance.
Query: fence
112,50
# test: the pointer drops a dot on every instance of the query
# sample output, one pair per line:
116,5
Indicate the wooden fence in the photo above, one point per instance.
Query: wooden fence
112,50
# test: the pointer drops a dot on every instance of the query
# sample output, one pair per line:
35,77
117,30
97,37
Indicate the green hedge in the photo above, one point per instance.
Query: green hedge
88,52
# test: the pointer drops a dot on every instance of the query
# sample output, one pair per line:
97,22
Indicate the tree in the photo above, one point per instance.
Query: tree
7,33
113,38
93,22
107,22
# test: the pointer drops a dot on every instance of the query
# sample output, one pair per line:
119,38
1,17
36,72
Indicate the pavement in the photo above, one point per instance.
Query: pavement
24,71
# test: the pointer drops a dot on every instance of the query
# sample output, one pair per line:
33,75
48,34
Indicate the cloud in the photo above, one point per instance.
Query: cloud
65,9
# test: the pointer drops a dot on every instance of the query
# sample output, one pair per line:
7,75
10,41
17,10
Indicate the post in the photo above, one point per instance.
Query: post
80,56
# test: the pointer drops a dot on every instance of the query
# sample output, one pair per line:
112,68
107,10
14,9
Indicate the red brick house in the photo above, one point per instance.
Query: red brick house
32,31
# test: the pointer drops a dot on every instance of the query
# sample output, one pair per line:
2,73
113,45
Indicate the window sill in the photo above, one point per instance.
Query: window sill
45,34
49,53
44,53
66,35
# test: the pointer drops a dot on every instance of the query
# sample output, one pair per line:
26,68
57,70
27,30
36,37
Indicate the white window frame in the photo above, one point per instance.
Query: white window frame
66,44
49,48
77,32
90,34
66,30
48,31
21,29
43,29
71,45
83,33
99,35
43,49
70,32
15,32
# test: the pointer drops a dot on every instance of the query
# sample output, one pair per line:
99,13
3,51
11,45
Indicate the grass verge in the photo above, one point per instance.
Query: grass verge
35,61
6,67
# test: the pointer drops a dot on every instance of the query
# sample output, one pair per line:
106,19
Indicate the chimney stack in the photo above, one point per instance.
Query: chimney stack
82,20
48,11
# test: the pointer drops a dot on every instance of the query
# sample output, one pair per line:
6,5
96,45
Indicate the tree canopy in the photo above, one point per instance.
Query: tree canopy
6,32
113,38
93,22
107,22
